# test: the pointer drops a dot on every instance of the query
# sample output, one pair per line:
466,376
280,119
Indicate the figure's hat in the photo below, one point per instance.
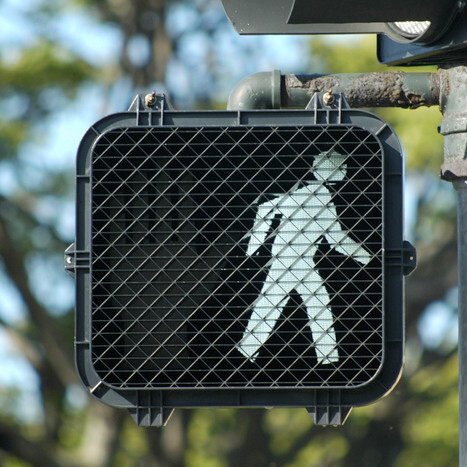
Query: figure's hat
329,165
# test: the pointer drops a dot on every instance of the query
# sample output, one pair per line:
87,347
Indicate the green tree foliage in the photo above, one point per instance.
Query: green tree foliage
416,425
436,388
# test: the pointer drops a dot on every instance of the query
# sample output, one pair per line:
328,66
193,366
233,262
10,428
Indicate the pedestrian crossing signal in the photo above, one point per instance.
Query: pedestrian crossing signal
239,259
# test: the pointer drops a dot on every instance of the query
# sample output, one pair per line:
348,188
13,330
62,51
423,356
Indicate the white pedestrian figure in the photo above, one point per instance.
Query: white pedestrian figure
305,214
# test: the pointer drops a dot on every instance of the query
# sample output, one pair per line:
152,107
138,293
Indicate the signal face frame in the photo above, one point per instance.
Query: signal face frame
188,224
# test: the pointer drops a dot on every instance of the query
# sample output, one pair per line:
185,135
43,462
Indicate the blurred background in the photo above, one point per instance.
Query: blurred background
66,63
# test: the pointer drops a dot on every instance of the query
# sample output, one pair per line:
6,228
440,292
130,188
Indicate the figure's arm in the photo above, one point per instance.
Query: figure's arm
259,231
343,243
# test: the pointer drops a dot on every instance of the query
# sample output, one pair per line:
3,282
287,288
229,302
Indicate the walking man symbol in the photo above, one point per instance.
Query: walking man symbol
305,214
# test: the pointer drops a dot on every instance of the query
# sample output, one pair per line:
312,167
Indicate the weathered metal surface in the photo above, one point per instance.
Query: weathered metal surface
453,105
391,89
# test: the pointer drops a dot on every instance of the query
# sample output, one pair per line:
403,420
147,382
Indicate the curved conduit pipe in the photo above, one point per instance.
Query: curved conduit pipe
258,91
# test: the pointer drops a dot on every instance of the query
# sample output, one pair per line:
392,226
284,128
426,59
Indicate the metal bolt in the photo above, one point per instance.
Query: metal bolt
328,97
150,99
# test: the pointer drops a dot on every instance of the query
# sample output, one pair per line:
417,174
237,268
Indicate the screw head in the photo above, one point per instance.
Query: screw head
150,99
328,97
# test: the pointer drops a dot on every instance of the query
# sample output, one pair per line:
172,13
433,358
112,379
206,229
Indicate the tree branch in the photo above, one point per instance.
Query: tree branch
58,353
29,451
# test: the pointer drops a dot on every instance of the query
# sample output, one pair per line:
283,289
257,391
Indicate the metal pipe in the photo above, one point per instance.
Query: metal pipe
461,188
258,91
391,89
453,105
270,90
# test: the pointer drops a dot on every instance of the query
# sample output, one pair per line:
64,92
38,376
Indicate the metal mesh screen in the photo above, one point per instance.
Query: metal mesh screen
237,257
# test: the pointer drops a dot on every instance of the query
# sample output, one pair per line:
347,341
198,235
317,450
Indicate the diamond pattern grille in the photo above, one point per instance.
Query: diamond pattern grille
237,257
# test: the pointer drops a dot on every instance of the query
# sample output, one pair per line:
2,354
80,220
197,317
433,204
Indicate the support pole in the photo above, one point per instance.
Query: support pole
461,188
453,105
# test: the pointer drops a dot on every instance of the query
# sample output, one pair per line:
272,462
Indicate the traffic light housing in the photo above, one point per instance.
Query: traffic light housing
450,47
412,32
239,259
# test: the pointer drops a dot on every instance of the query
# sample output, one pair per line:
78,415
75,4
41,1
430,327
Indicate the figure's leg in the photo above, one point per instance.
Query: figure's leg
265,313
316,299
